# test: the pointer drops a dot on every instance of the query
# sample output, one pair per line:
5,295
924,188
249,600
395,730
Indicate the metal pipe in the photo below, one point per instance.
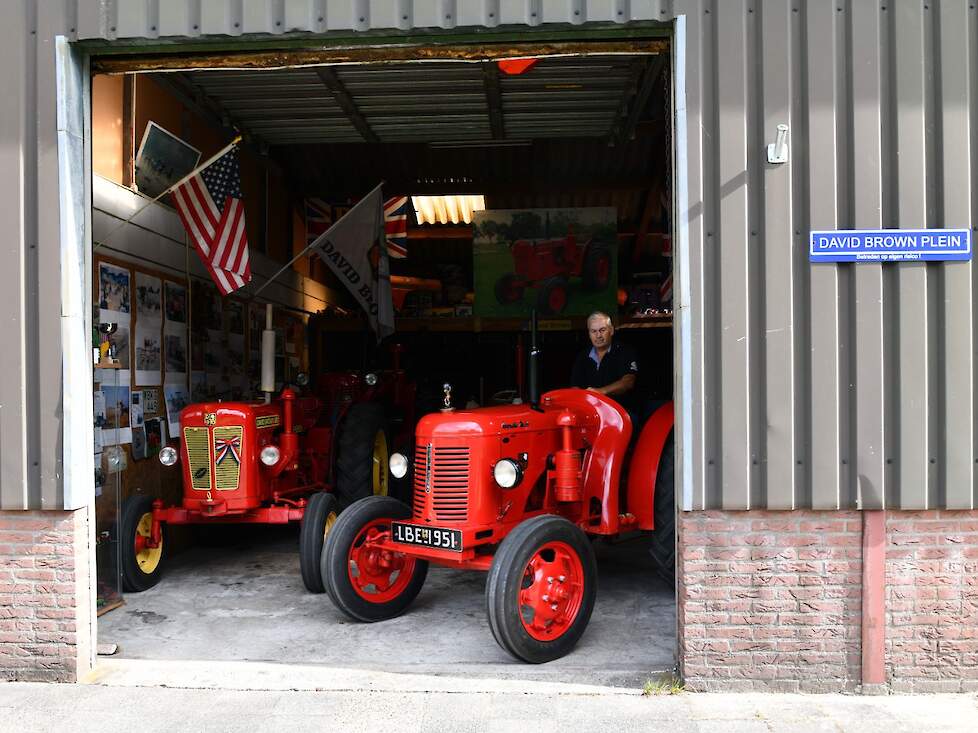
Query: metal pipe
534,363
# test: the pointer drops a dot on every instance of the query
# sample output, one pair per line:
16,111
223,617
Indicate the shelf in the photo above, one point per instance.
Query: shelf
477,324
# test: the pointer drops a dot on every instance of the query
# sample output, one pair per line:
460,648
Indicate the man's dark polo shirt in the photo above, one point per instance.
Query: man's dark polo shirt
617,362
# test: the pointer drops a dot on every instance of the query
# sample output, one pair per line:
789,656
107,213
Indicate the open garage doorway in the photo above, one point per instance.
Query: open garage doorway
501,173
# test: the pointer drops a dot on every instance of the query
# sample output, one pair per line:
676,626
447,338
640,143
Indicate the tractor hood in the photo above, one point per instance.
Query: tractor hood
500,420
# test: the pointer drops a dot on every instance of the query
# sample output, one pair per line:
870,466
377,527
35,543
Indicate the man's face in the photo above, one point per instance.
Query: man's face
600,331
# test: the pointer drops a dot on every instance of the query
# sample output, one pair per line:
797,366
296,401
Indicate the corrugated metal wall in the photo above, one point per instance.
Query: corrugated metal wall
822,387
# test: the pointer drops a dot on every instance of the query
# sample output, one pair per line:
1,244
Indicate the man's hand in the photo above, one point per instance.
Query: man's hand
599,390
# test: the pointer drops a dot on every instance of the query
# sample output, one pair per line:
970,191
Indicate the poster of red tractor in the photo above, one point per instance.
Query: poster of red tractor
563,262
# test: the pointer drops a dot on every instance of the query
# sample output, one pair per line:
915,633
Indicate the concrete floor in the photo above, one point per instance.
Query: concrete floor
246,602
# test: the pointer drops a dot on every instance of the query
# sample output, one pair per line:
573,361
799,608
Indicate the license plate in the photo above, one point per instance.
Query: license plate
435,537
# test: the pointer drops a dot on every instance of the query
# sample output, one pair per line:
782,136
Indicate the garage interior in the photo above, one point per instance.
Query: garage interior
567,131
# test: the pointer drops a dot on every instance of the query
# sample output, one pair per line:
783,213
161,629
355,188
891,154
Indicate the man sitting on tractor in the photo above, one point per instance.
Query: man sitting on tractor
608,368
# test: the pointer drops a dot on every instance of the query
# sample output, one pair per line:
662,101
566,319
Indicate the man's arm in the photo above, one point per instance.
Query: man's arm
619,387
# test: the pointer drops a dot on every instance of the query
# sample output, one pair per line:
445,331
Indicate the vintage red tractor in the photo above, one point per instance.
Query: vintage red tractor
295,458
519,491
548,265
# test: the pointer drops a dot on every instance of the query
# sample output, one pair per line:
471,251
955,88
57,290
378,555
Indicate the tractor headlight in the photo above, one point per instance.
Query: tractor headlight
398,463
270,455
507,473
370,379
168,456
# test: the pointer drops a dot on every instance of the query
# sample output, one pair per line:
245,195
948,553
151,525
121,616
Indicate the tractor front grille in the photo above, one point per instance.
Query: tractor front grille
442,473
198,445
213,456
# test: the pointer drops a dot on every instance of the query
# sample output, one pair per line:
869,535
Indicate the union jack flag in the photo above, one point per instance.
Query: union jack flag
319,218
211,208
225,447
395,224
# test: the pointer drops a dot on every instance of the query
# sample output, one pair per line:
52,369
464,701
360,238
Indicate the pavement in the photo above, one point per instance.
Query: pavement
124,699
246,602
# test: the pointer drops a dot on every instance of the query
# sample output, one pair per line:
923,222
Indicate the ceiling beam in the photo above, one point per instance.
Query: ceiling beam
494,99
332,82
624,128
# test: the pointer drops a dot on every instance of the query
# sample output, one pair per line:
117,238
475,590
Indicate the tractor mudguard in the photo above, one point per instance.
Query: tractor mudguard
645,465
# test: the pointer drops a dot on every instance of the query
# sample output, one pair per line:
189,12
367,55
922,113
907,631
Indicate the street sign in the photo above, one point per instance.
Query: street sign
889,245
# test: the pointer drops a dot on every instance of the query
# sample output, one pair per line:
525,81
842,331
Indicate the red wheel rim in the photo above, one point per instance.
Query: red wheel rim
552,591
602,271
557,300
377,573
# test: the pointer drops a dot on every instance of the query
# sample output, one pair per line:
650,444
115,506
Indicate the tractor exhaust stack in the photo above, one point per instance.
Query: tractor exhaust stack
534,361
268,356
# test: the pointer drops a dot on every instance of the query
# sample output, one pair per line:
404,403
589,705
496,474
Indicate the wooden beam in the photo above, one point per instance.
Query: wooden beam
625,128
494,99
332,82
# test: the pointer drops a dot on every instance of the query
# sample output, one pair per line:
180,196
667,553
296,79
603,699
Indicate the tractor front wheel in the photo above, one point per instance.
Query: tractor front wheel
552,296
141,566
364,577
362,454
509,289
541,589
317,520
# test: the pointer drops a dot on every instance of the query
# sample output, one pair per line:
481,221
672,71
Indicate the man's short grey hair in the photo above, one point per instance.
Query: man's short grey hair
600,314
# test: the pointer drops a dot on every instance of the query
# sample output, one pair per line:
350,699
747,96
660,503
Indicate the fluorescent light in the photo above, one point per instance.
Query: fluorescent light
450,208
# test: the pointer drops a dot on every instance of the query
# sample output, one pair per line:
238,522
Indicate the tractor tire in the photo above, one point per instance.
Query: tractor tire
508,289
360,471
552,296
347,575
596,271
663,548
543,556
139,570
317,520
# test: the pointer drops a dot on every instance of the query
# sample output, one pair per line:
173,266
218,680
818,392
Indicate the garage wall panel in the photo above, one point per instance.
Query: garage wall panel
861,377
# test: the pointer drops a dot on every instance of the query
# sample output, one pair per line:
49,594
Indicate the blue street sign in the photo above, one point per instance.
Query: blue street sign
890,245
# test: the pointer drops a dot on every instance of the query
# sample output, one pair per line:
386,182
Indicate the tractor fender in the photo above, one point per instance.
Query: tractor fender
645,465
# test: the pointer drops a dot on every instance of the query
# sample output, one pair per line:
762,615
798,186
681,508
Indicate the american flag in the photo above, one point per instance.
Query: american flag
211,208
395,224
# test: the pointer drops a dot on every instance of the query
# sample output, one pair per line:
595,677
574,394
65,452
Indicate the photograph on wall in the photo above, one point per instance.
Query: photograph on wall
563,262
162,160
235,355
99,473
151,402
136,408
155,436
119,349
116,426
176,399
175,300
138,443
113,294
149,300
175,354
148,357
198,386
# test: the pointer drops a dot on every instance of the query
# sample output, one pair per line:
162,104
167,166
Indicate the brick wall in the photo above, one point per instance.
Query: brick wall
770,600
932,601
773,601
46,607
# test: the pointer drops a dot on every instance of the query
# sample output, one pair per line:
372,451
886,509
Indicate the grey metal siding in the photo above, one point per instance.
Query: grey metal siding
829,386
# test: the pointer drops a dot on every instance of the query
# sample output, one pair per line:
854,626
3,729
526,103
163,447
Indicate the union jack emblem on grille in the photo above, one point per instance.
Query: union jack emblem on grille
227,447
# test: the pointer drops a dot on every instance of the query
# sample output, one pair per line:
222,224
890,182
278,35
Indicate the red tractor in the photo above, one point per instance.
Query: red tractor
518,491
548,265
294,458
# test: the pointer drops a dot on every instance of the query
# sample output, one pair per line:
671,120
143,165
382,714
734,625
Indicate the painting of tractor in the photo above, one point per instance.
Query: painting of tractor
518,491
560,260
300,455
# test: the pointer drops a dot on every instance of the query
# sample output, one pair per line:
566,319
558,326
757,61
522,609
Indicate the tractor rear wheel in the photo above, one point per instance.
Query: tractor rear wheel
141,567
509,289
552,296
663,548
364,579
362,454
596,271
317,520
541,589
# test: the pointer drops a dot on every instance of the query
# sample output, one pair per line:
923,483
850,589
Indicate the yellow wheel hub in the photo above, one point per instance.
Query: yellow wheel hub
381,469
149,558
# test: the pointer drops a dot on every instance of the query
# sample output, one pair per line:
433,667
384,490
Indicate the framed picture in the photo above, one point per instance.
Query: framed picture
162,160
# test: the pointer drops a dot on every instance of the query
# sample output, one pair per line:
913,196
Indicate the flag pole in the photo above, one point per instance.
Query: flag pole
314,243
183,180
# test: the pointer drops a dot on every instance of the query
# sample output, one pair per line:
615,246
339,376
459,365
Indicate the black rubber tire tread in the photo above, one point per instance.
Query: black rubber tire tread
663,549
134,580
311,538
335,571
505,293
543,295
506,575
355,452
595,253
